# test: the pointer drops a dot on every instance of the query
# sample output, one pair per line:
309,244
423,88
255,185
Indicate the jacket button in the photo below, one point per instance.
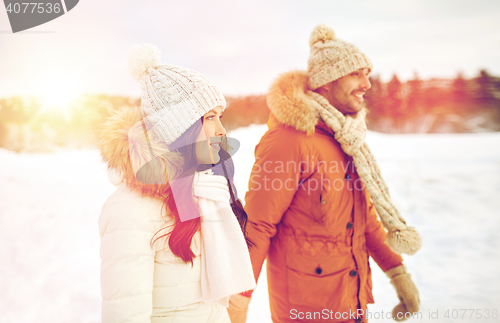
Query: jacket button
323,202
358,320
349,225
347,176
353,273
319,271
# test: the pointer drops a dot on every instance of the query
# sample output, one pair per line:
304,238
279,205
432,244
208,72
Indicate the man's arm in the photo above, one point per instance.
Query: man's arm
272,185
392,264
375,236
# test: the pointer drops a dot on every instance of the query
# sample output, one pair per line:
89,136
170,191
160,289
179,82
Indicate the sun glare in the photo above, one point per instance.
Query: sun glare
58,91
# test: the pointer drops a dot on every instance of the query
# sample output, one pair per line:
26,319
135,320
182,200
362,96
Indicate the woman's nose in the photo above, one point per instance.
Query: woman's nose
220,131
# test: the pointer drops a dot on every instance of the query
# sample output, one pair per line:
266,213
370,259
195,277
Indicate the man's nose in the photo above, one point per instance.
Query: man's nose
366,82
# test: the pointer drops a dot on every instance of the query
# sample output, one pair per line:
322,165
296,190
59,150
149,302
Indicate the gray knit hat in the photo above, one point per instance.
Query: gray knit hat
173,98
332,58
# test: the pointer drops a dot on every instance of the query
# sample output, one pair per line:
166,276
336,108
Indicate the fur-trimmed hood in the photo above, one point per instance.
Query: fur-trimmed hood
126,149
289,103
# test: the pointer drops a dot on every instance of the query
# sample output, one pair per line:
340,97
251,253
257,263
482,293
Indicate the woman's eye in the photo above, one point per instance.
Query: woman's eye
209,117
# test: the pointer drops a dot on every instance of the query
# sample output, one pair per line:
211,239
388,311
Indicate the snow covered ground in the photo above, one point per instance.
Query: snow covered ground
447,186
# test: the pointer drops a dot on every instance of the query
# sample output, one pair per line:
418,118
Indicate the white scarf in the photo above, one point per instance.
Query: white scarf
225,262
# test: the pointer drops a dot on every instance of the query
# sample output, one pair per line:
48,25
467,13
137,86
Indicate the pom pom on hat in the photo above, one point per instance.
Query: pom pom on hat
141,58
321,33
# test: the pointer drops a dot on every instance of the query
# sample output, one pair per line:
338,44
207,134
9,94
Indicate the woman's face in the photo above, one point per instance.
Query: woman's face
208,142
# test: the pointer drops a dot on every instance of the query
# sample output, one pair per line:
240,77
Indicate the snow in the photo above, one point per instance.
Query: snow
447,186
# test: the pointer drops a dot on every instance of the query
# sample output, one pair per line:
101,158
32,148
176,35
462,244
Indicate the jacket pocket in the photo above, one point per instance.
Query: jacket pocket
311,190
319,282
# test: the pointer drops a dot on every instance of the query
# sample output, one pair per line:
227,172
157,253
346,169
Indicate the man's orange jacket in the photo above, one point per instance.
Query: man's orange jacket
310,215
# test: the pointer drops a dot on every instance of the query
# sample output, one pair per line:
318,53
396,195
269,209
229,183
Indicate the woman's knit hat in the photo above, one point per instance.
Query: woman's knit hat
173,98
332,58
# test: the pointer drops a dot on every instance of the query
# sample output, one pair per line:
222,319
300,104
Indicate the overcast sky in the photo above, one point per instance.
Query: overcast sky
242,46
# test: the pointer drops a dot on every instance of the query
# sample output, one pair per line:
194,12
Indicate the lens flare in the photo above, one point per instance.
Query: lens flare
58,91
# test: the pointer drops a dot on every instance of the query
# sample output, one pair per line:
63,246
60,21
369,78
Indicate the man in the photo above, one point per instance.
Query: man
309,212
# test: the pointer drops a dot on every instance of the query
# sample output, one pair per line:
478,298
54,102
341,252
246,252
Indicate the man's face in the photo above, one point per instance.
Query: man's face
346,93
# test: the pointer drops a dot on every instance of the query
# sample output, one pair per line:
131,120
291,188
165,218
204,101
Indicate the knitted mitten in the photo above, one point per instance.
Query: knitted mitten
407,293
238,308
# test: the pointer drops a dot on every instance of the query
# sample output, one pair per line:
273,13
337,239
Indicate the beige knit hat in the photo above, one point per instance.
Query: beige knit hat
332,58
173,98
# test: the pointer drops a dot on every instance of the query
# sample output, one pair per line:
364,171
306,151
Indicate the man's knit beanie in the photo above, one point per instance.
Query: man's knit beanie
173,98
332,58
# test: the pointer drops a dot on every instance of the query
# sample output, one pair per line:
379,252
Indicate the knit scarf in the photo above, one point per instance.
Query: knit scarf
350,133
225,262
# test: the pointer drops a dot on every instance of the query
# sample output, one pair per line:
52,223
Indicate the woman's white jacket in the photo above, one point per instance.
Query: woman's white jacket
143,281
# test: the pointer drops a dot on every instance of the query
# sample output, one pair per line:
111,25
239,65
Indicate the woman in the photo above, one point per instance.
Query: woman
173,243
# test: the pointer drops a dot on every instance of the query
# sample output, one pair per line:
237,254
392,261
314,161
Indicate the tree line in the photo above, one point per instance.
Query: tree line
27,123
435,105
415,106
